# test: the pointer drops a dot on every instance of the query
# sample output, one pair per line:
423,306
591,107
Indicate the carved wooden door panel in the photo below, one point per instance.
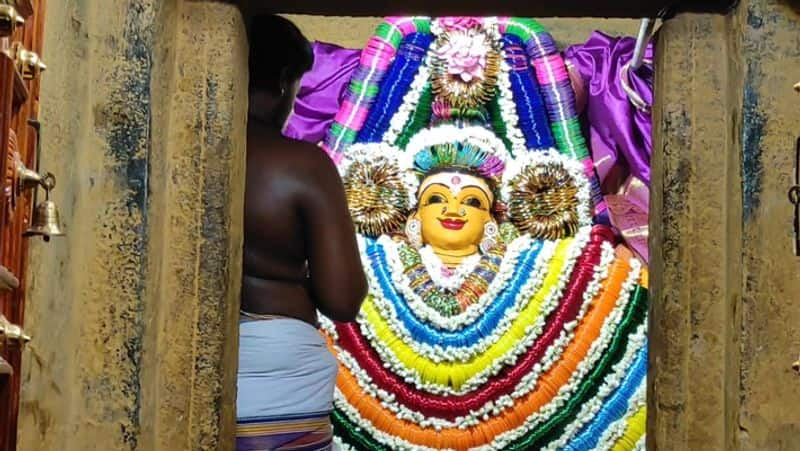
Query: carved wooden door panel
21,24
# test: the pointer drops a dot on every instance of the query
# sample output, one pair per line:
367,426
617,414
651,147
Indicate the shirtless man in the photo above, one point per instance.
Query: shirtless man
300,257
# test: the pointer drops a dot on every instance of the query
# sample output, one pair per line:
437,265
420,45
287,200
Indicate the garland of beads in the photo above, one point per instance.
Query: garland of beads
376,57
396,84
527,98
551,72
403,412
402,431
449,304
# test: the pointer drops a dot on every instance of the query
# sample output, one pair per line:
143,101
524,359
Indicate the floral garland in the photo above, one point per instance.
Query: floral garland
526,98
399,121
594,353
459,346
462,421
508,111
394,442
473,287
590,409
408,66
490,364
421,310
442,276
635,413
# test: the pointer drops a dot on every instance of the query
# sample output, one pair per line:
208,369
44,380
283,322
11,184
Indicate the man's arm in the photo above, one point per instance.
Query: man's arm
337,282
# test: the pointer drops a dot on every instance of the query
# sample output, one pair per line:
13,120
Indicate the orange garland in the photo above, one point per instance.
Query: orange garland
549,384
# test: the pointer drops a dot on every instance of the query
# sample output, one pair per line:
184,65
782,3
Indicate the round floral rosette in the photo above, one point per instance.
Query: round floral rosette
499,315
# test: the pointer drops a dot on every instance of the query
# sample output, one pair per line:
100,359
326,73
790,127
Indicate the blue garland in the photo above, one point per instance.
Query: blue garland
614,407
470,334
527,96
395,85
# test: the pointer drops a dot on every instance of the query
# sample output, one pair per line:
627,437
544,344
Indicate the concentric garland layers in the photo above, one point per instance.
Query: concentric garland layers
617,316
536,343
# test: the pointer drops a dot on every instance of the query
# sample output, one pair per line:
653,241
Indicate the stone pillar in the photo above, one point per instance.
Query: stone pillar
133,314
695,236
724,318
770,338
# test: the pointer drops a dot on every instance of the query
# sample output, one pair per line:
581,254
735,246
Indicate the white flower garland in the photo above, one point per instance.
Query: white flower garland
591,408
554,352
508,110
388,401
436,269
595,353
410,101
339,445
641,445
443,354
616,430
426,313
492,408
573,167
412,375
395,443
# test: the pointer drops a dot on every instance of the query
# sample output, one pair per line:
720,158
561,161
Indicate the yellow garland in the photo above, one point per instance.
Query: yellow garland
455,374
635,429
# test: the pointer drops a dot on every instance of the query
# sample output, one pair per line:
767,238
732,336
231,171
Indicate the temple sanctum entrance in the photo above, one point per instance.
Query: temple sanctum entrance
132,315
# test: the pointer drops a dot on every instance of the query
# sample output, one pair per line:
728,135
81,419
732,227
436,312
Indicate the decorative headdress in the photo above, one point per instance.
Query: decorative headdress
459,97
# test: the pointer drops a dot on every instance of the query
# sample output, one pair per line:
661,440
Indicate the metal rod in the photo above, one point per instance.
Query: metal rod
645,30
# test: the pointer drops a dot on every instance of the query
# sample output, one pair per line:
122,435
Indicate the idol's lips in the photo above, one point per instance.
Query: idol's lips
452,224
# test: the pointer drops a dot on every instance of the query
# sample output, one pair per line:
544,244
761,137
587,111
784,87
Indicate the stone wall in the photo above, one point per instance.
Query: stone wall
133,314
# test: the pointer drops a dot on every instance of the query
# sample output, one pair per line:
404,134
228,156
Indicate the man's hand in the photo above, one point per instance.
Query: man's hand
8,282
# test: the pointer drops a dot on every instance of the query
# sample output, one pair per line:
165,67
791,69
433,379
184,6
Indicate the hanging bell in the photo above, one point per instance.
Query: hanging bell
46,221
10,19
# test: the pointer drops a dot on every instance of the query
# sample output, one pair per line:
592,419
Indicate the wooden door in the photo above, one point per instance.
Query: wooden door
20,70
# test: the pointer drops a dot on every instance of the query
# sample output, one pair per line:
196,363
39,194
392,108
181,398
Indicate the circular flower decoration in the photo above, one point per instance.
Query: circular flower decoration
547,196
465,63
459,23
377,189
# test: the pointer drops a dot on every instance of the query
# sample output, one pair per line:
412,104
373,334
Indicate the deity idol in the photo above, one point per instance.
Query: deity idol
499,316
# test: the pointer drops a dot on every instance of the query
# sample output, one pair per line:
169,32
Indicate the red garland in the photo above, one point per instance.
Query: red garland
450,407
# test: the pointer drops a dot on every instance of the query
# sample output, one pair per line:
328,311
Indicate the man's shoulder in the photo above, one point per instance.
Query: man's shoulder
303,162
302,155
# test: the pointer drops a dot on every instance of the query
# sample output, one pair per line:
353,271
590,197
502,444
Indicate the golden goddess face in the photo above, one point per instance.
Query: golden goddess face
453,210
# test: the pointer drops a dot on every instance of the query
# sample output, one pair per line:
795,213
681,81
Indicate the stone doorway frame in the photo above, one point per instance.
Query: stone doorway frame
148,107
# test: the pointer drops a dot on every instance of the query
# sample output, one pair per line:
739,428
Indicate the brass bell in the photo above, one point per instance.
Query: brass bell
10,19
46,221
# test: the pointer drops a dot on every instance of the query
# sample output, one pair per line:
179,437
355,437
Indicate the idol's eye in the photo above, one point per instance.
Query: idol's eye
473,202
436,199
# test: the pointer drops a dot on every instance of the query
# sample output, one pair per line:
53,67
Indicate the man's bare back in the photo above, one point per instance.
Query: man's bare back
300,254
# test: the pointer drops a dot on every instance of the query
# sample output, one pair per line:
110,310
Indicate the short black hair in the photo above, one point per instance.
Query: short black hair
277,48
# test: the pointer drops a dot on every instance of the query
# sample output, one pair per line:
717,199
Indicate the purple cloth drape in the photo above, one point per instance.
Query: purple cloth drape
321,91
620,134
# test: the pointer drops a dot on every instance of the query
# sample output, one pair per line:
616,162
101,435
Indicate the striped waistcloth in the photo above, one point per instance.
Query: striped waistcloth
300,433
